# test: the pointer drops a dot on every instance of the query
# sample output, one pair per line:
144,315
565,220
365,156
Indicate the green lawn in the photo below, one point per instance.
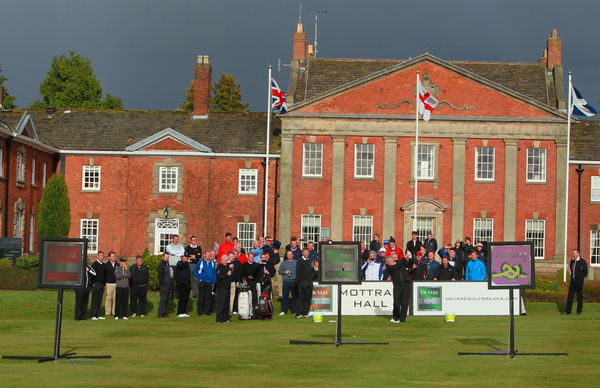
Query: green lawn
198,352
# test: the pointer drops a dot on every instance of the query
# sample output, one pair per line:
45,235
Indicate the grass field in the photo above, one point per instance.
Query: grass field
198,352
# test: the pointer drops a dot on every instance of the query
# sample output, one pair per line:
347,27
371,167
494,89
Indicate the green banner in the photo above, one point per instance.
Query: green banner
429,298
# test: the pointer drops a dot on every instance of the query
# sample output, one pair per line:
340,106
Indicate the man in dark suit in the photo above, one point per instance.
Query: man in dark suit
99,283
82,294
579,272
414,244
165,280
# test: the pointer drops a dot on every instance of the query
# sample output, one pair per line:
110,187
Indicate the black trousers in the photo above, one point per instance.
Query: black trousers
97,292
165,295
289,287
82,296
222,304
183,292
575,287
138,299
305,289
204,304
401,299
121,301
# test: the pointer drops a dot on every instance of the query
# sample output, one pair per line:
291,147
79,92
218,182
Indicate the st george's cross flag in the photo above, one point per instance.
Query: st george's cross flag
277,97
579,106
426,102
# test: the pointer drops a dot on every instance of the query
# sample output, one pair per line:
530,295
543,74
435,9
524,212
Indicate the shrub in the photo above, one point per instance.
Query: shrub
5,264
152,262
27,263
54,218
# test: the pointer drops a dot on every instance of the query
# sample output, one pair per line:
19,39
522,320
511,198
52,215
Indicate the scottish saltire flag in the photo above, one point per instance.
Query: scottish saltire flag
580,106
277,97
426,102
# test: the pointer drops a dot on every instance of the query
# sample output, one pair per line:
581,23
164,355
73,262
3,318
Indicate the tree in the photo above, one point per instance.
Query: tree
71,83
54,217
188,104
9,101
227,96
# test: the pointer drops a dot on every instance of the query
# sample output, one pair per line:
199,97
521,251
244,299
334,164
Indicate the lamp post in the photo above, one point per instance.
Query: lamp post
166,212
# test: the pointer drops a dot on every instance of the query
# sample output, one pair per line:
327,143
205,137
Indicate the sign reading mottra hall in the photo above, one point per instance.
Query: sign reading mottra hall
429,298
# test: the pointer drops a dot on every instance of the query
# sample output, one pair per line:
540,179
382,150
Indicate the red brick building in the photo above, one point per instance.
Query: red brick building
491,161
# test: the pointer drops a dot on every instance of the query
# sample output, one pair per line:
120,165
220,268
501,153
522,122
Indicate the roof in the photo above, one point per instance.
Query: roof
103,130
323,74
585,140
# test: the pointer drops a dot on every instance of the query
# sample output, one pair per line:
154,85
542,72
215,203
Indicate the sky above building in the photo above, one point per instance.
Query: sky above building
144,51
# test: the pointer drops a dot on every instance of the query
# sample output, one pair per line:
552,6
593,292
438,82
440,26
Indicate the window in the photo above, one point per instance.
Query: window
535,232
90,179
33,171
311,228
312,159
248,181
31,232
362,228
168,180
424,226
364,160
21,167
89,230
163,230
536,165
595,247
425,161
484,163
483,229
595,188
246,234
44,175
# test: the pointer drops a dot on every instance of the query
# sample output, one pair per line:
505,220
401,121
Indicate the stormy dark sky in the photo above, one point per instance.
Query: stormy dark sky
144,50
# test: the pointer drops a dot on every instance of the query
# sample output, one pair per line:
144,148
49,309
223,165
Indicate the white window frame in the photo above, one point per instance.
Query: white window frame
91,178
312,159
424,227
310,221
362,228
535,239
595,188
481,227
44,175
87,224
483,162
533,154
248,181
431,163
20,167
364,160
246,234
164,228
595,248
171,185
33,163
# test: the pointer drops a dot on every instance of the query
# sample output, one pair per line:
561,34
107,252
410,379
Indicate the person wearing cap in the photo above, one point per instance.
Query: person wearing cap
140,276
393,248
122,276
381,254
372,269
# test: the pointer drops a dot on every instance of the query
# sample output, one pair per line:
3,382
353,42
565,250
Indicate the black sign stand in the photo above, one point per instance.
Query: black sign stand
338,333
57,334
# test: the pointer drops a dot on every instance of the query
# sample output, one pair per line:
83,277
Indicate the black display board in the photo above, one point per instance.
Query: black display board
11,248
340,262
510,265
62,263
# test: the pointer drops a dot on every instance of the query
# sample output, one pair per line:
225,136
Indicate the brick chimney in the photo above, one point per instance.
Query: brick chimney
299,44
202,87
553,50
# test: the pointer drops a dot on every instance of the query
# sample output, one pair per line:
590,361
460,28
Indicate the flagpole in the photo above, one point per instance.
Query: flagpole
269,103
416,152
569,108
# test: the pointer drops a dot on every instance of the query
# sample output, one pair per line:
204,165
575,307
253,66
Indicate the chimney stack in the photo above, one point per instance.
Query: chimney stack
553,50
300,44
202,87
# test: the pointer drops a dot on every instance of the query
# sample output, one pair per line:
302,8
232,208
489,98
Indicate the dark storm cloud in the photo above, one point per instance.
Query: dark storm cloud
144,50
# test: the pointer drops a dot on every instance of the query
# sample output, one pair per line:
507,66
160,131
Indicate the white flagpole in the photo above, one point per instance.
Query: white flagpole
416,151
267,154
569,107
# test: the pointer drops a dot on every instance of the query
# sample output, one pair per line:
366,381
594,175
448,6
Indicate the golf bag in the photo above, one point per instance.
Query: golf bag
245,309
265,302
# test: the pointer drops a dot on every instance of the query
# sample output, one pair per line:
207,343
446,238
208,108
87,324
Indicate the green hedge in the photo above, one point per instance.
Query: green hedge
27,263
15,278
152,262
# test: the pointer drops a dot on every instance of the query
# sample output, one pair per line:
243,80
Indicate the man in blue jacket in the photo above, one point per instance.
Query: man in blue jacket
475,268
432,265
205,273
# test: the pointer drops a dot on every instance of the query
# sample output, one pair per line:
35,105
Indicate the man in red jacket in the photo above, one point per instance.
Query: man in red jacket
226,246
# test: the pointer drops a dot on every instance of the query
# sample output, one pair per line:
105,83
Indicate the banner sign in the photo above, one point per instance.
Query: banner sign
511,265
428,298
62,263
340,262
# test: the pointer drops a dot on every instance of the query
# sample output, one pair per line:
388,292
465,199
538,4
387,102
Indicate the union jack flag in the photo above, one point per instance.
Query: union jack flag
277,97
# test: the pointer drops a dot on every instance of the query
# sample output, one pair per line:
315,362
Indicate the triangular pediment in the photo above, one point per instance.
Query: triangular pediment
168,140
391,92
26,128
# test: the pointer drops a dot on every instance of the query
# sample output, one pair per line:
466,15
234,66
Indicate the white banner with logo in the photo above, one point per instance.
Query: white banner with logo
428,298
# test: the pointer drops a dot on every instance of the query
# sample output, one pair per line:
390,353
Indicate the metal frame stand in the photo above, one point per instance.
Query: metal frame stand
338,334
57,334
512,352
